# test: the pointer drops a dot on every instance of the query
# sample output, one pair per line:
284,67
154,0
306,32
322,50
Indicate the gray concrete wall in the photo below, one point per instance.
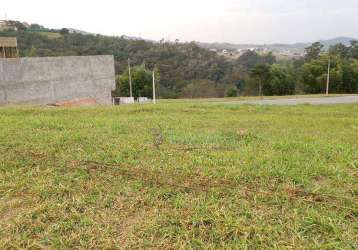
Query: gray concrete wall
47,80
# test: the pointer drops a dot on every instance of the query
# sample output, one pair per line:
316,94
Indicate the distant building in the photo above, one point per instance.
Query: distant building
5,25
8,47
72,31
27,25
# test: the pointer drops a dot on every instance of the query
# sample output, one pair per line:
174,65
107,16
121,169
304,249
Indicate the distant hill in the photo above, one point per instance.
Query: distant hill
345,40
295,46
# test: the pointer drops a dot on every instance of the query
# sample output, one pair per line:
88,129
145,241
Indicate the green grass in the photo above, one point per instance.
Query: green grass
179,175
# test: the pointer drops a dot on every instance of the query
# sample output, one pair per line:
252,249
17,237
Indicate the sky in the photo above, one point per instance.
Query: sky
233,21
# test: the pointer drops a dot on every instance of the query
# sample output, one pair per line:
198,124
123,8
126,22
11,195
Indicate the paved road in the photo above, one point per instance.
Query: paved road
313,101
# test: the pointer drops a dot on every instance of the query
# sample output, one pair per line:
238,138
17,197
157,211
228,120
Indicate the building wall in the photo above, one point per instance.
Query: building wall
47,80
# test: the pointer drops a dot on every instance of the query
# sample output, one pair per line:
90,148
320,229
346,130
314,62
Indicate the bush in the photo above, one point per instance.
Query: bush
231,92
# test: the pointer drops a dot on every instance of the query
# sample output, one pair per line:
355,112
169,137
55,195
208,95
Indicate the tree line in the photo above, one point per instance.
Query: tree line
186,70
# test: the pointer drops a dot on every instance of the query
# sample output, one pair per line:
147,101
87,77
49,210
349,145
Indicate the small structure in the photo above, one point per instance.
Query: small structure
123,100
130,100
8,47
144,100
6,25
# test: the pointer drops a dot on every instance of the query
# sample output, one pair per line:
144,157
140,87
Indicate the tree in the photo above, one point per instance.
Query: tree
200,88
314,74
268,59
64,31
250,59
350,76
354,49
312,78
340,50
32,52
281,81
262,73
314,51
141,82
19,25
231,92
36,27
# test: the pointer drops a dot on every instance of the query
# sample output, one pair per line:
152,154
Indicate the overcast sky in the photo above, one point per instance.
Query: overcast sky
235,21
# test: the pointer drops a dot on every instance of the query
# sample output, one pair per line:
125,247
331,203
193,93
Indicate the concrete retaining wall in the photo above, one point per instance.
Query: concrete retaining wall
47,80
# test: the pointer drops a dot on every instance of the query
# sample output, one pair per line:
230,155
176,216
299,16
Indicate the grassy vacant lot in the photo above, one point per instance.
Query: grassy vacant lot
179,175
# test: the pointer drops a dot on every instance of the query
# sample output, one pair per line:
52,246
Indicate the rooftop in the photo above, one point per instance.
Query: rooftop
8,42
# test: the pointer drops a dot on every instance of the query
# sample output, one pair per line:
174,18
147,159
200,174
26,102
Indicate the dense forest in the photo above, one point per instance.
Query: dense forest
186,70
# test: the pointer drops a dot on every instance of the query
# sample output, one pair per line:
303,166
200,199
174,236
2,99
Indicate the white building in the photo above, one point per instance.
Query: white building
4,25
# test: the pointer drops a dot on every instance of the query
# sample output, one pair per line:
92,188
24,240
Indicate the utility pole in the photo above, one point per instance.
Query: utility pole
130,78
154,96
328,76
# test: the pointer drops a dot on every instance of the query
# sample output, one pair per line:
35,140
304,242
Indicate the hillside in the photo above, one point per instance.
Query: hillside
294,46
188,70
178,63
